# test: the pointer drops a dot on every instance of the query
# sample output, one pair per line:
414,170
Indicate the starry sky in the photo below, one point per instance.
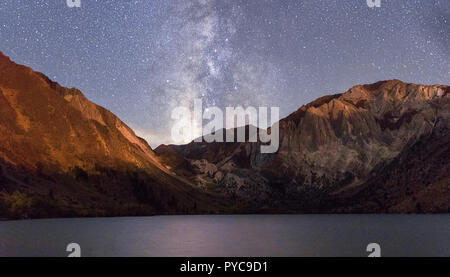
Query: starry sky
142,58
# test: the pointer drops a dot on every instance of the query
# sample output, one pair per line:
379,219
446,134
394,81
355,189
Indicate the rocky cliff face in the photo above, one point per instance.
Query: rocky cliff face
330,151
62,154
51,124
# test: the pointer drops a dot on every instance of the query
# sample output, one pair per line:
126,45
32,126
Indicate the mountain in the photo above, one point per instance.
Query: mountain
381,147
62,155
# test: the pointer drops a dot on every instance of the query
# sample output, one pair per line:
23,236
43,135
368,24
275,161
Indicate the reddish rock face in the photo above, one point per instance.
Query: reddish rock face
48,123
55,141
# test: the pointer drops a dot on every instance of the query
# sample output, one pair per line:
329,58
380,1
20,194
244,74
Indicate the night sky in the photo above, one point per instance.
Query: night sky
142,58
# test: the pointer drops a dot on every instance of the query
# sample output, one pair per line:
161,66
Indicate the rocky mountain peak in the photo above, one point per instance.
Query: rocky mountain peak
329,146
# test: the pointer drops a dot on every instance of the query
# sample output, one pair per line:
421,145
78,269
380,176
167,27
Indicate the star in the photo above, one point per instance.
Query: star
141,59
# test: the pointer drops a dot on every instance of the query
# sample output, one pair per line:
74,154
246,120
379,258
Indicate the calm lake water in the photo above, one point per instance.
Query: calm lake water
234,235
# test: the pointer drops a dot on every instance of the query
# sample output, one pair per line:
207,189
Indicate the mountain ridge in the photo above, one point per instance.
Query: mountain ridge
380,147
56,142
328,146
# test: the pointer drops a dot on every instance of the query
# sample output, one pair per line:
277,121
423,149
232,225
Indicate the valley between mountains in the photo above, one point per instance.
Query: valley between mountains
377,148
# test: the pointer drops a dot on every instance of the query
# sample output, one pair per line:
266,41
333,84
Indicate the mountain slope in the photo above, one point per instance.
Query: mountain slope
329,150
417,180
61,151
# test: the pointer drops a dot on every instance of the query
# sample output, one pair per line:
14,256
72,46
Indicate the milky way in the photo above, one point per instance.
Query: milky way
140,59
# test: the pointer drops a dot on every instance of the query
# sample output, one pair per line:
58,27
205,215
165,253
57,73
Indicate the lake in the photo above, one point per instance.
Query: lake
230,235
